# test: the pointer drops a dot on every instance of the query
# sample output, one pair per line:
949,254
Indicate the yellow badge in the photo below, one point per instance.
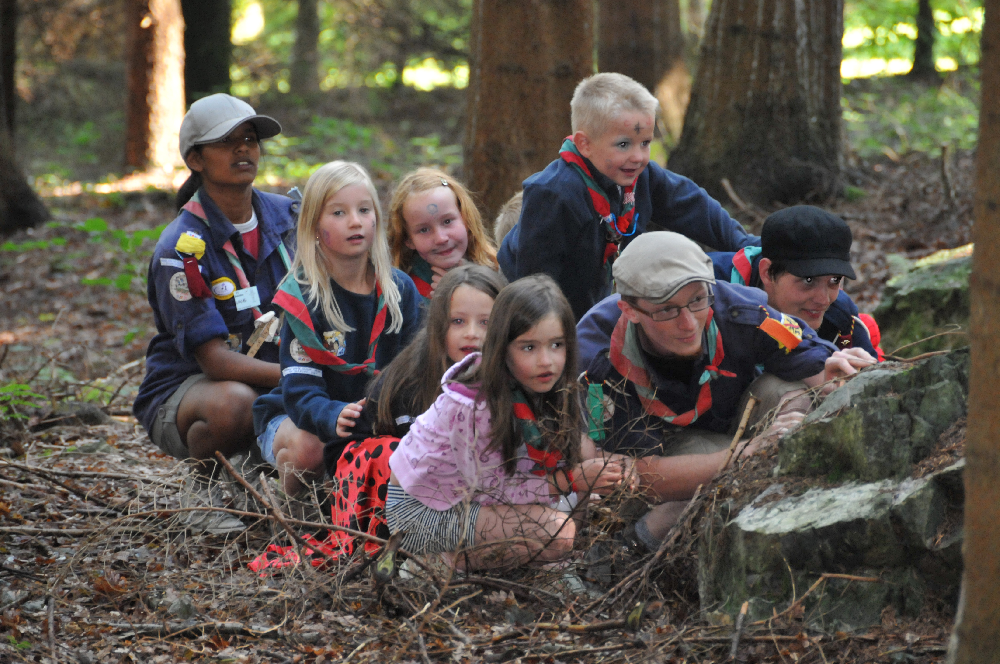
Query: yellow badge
223,288
785,331
190,243
334,342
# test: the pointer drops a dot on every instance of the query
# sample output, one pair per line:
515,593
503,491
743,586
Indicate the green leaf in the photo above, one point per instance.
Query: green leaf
95,225
100,281
123,281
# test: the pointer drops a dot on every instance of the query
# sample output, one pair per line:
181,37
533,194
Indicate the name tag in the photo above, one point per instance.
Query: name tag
247,298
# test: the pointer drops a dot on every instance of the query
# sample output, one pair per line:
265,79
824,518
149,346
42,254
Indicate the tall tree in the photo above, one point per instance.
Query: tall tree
155,83
765,108
976,639
639,38
525,60
304,77
923,51
208,43
8,59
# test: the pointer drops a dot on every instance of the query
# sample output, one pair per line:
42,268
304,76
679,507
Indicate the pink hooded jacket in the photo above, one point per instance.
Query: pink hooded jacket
443,459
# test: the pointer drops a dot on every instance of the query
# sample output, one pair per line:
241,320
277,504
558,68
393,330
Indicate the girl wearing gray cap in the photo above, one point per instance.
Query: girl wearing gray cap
213,273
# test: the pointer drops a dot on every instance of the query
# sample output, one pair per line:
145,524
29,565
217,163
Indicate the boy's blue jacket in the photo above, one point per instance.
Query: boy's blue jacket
184,324
561,235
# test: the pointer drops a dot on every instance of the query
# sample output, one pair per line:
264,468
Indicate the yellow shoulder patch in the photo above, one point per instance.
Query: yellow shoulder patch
190,244
785,331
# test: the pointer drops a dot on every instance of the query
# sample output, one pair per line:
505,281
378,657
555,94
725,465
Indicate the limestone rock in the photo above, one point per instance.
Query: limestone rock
926,298
880,422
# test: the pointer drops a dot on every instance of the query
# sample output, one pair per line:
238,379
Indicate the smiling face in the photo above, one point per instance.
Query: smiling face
678,337
231,161
621,152
435,228
807,298
346,226
536,359
468,317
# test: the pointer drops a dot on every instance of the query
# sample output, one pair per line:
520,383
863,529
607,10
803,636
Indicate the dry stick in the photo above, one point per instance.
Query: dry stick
933,336
751,402
34,470
738,631
167,630
30,530
667,542
823,577
917,358
67,473
735,197
52,629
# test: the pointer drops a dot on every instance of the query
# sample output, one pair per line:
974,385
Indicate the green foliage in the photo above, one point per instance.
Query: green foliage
887,29
892,116
14,395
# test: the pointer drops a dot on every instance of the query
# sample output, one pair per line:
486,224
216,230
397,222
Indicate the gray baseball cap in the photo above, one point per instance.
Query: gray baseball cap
654,266
214,117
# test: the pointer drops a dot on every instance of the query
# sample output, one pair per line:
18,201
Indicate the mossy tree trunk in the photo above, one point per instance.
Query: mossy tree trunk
208,45
155,83
639,38
526,57
765,107
304,77
976,639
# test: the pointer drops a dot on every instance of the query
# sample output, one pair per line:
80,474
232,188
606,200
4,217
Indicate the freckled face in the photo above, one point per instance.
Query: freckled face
621,152
346,227
435,227
537,358
468,317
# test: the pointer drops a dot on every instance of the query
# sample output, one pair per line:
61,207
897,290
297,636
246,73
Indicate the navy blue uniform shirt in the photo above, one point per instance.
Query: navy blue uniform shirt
561,235
840,321
314,394
184,322
738,314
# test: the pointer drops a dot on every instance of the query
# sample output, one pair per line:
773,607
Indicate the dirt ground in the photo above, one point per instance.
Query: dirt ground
95,565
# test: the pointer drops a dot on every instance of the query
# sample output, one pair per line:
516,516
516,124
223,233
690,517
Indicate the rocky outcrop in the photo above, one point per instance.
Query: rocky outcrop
865,518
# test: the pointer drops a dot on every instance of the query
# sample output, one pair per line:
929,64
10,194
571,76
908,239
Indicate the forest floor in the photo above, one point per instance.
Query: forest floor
96,566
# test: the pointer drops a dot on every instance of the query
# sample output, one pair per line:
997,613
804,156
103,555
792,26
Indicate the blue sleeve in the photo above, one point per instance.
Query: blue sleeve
304,393
722,264
593,332
546,224
805,360
682,206
409,306
507,254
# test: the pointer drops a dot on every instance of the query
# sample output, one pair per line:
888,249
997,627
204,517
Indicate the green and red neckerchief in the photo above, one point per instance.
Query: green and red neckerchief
743,265
289,298
196,283
545,462
616,227
422,275
626,358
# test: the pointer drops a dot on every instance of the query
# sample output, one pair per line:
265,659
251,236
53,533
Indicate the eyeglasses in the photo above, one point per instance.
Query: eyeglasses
669,313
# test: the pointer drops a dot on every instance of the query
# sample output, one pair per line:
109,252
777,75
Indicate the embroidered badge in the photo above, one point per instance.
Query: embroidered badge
785,331
334,342
234,342
607,407
191,243
179,287
223,288
299,355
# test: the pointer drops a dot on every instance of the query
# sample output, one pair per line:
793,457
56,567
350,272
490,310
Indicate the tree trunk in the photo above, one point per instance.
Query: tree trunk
765,110
208,45
526,58
304,77
8,58
923,51
976,638
639,38
155,83
696,19
20,207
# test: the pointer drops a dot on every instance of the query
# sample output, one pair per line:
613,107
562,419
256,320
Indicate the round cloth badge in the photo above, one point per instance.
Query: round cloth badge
299,355
608,406
179,287
223,288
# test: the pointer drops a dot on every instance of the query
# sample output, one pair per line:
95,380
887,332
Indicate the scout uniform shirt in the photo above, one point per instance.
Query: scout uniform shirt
224,310
748,333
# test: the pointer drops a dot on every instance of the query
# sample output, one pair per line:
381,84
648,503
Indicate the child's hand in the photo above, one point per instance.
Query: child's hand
439,273
604,475
347,417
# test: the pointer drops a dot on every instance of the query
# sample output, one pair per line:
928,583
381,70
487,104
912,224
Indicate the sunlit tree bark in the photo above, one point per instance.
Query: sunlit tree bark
765,107
976,639
155,80
304,77
208,45
526,57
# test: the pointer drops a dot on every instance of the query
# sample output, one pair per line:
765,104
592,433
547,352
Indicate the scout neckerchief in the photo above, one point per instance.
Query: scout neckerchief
626,358
615,228
743,265
195,207
422,275
545,462
289,297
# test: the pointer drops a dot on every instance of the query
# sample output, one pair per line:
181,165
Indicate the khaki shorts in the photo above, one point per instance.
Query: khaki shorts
164,432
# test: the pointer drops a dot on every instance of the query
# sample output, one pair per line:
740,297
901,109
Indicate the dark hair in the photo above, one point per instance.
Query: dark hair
777,268
190,186
519,308
418,368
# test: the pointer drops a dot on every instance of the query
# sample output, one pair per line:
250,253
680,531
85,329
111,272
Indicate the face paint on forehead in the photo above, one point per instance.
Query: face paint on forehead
637,128
432,209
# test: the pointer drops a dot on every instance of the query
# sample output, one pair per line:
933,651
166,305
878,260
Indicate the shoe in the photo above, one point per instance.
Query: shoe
198,491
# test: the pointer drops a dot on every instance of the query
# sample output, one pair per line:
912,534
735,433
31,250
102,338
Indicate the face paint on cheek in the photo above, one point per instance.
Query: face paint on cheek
326,237
432,209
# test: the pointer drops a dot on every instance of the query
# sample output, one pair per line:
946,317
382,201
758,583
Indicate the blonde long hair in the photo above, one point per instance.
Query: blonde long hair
309,268
480,250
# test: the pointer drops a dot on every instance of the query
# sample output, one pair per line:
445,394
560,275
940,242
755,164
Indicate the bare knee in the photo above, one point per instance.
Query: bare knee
562,533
